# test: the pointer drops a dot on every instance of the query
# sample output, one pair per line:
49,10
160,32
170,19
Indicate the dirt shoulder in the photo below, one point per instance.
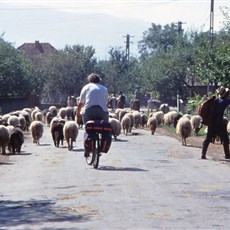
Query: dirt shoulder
215,151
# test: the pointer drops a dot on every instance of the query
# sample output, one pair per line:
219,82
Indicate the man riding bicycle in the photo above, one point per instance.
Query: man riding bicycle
93,100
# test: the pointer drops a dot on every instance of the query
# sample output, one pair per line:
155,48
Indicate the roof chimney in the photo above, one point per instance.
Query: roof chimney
38,46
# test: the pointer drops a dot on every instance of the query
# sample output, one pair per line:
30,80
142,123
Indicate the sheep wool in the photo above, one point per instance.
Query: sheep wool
184,129
36,129
70,131
196,124
125,124
152,124
116,127
4,138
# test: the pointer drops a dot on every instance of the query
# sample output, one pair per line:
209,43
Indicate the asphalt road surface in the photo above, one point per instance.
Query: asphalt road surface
144,182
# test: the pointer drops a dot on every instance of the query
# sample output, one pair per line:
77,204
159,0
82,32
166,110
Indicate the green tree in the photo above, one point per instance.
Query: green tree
17,73
158,37
66,72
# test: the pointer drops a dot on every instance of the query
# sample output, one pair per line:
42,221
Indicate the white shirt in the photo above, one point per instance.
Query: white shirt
94,94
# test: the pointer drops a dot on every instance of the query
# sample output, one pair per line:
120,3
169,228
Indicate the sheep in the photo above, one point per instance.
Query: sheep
125,124
164,108
16,140
13,120
184,129
121,114
34,111
70,113
116,127
176,118
62,113
22,121
137,118
159,116
38,116
168,117
70,131
4,138
27,117
196,124
144,120
36,130
53,110
48,118
130,115
56,128
117,111
152,124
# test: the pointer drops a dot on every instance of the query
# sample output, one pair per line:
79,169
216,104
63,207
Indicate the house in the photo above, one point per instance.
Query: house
37,50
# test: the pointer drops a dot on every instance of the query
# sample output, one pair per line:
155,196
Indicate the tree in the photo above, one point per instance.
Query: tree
158,37
115,70
16,72
66,72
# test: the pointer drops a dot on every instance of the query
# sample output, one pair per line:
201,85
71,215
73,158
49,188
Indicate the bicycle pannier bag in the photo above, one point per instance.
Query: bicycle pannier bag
90,141
99,126
106,141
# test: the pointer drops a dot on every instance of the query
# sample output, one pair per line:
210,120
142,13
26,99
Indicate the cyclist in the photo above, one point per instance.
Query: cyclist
93,100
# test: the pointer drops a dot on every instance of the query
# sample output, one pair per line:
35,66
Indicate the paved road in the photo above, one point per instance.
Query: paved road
144,182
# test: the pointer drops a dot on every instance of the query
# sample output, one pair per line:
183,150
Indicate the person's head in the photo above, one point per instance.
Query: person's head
121,92
94,78
222,92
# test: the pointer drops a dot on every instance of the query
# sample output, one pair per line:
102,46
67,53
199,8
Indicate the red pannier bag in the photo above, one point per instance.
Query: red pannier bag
103,127
90,141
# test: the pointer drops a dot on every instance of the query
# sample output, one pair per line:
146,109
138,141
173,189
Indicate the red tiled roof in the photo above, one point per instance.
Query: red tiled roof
34,49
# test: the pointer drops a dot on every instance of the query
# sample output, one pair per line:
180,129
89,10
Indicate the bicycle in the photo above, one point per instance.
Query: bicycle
96,130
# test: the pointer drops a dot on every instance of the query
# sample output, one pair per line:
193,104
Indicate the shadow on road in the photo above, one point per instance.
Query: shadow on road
112,168
16,213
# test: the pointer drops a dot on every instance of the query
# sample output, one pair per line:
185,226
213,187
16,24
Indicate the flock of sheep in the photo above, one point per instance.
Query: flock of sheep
65,127
184,124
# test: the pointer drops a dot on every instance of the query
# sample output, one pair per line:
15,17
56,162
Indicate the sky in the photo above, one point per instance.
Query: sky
98,23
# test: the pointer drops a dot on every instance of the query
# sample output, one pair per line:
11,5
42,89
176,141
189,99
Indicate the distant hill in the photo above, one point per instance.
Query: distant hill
63,28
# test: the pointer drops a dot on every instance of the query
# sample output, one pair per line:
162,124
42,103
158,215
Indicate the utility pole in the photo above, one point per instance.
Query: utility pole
212,22
128,46
211,35
179,27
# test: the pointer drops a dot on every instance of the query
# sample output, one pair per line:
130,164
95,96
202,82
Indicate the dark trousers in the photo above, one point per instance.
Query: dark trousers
95,112
213,131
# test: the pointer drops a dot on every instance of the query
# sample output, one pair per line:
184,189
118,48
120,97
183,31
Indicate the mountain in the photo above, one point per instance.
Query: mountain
60,28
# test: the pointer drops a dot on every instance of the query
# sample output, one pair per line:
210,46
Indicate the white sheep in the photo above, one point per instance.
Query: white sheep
137,118
62,113
159,116
196,124
168,117
121,114
70,131
184,129
116,127
22,121
130,115
4,138
125,124
33,113
13,120
38,116
152,124
53,110
36,130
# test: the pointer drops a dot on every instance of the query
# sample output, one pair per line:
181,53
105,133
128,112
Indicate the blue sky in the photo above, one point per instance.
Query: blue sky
102,24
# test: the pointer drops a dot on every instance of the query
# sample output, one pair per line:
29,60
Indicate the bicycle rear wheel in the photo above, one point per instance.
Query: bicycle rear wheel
89,159
96,157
